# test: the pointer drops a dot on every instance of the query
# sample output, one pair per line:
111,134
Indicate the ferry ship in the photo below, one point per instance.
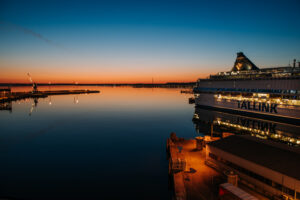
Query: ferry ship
269,93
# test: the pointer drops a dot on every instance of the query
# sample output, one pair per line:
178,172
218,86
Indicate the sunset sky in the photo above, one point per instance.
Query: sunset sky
135,41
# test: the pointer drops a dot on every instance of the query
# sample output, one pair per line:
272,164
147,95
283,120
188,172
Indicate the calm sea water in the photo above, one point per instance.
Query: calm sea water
97,146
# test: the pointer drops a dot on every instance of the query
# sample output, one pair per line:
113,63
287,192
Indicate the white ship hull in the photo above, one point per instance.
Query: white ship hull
285,112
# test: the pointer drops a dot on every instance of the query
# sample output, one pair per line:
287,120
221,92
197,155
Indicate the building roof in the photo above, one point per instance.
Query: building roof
278,157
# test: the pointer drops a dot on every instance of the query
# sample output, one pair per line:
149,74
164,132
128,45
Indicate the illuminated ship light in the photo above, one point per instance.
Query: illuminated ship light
265,134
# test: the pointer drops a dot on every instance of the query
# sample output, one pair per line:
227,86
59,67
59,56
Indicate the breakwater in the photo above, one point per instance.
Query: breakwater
14,96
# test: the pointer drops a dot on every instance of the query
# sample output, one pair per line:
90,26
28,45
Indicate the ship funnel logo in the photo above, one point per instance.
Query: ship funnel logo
242,63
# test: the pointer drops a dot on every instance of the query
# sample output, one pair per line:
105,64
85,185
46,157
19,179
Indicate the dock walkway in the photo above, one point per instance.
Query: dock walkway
192,178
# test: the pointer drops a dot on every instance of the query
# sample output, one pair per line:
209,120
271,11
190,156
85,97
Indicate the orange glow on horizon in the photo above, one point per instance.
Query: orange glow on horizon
106,80
16,72
40,76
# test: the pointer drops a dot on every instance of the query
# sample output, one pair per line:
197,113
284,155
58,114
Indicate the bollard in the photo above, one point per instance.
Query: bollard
199,143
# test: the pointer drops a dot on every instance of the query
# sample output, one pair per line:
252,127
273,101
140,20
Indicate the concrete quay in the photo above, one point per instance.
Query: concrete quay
191,177
14,96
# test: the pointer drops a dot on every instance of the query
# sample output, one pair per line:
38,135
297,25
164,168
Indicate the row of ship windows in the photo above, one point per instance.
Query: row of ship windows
250,77
246,90
258,177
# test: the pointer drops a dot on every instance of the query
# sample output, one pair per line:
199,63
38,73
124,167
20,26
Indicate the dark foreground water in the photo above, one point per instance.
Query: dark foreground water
97,146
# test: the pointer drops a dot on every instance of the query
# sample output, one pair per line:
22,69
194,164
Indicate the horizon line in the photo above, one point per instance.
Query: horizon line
47,84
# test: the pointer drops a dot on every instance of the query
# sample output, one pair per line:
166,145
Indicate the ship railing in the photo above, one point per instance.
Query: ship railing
277,72
247,90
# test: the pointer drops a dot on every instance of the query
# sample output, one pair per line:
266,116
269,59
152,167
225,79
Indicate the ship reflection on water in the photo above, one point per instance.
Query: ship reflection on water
207,120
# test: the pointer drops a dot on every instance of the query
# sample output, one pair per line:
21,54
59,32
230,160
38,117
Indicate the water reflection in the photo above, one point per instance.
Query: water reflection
33,105
89,146
9,105
225,122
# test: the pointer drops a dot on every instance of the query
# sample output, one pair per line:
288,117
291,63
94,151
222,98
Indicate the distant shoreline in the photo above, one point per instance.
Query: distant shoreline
171,85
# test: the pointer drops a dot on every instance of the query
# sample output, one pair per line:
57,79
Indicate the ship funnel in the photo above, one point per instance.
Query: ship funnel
242,63
294,63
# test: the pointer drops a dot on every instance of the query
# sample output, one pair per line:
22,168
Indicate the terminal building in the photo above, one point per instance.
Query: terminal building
270,168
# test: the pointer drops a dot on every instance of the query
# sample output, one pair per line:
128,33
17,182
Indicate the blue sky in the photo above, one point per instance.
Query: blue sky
129,41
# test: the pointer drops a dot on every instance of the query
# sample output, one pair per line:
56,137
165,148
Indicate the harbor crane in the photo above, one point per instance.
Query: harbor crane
34,85
34,90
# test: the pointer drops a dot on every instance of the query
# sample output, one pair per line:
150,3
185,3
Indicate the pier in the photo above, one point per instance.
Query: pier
187,91
190,176
193,177
14,96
